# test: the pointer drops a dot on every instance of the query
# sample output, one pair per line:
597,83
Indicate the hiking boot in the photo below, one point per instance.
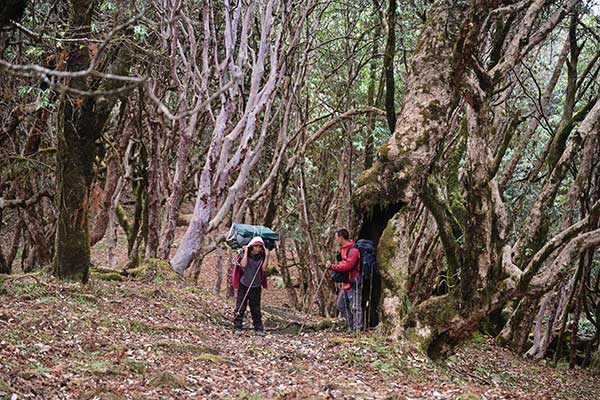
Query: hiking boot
260,332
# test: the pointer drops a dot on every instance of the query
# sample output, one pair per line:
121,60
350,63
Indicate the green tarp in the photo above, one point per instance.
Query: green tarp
240,235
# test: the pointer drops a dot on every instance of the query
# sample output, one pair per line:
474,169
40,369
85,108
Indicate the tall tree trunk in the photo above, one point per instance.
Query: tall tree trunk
174,200
388,66
372,99
154,190
113,171
285,273
76,150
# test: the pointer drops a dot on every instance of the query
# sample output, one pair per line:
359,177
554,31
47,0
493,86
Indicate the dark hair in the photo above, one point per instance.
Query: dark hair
343,233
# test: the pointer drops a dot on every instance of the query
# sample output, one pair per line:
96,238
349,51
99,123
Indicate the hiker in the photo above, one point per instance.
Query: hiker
249,277
350,296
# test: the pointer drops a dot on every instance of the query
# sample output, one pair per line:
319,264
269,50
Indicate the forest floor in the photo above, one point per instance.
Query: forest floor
157,336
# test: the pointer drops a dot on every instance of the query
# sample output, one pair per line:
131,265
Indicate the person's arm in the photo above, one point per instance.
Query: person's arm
348,263
244,261
266,261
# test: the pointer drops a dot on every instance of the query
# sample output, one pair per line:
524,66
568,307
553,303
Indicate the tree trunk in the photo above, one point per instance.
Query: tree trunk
219,269
388,66
181,172
596,359
447,83
285,273
372,100
402,167
229,277
113,171
76,149
516,332
154,190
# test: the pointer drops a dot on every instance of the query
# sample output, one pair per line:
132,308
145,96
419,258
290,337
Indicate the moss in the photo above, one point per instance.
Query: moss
153,268
438,310
138,271
559,141
29,291
211,358
338,340
429,319
102,367
370,190
477,338
137,367
152,329
386,255
83,299
158,263
168,380
469,396
108,276
382,185
4,278
367,196
325,324
433,111
368,176
138,326
383,151
424,138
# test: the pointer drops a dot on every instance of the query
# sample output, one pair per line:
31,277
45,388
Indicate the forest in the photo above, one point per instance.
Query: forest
460,137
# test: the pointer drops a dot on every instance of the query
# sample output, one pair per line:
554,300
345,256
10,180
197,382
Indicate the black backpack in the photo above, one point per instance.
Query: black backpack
368,261
371,282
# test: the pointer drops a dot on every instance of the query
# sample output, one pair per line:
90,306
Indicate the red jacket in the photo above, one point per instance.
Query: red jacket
238,271
350,262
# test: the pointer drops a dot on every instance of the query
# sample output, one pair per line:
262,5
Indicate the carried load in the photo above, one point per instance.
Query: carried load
240,235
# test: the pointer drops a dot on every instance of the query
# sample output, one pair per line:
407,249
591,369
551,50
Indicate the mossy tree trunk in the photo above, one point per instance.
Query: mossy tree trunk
80,123
444,156
76,150
400,175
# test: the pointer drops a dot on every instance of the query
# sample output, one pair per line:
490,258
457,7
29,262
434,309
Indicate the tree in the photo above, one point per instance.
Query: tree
76,150
453,131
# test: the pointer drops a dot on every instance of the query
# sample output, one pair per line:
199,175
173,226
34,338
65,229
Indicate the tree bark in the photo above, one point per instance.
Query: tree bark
76,149
154,190
388,66
219,270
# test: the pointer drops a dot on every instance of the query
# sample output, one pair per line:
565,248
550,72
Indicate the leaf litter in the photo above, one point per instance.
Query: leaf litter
154,339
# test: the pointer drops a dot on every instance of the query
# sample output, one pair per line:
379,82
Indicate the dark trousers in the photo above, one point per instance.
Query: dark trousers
253,298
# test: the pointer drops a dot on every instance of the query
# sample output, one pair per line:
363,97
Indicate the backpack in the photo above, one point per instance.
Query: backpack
371,282
368,264
368,261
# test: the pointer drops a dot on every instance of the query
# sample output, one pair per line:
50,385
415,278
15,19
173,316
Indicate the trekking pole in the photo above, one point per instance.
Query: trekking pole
369,301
